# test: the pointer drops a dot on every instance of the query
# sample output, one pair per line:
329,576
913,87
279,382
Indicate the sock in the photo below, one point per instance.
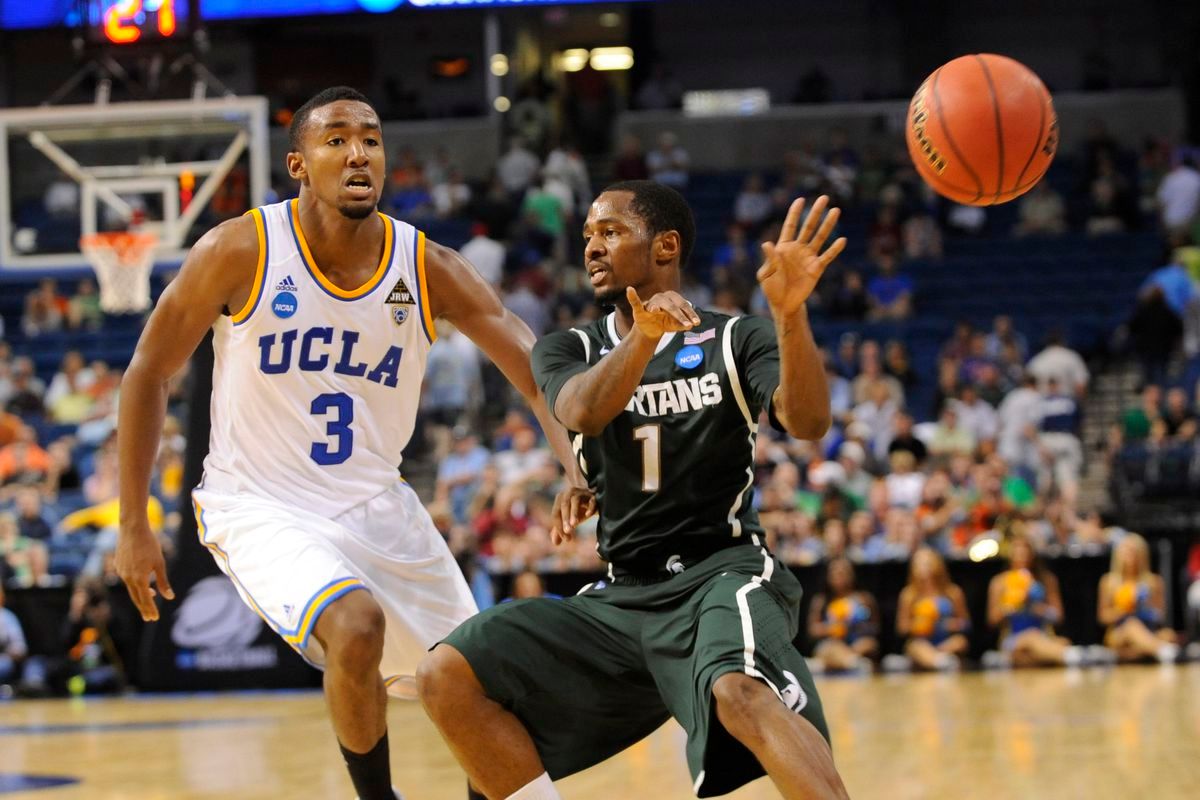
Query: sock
371,773
474,795
540,788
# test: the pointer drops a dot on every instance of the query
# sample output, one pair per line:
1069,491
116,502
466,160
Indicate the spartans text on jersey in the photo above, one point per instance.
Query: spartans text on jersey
676,397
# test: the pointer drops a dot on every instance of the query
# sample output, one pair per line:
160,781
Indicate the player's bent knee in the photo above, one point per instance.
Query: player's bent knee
444,674
740,703
351,630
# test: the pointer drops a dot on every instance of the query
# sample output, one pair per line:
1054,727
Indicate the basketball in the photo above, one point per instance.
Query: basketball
982,129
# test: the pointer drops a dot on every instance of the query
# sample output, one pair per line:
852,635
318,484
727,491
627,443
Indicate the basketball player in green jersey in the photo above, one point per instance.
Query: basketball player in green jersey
696,618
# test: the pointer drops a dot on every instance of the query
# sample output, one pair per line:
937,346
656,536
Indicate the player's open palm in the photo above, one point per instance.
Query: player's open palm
796,262
138,558
663,313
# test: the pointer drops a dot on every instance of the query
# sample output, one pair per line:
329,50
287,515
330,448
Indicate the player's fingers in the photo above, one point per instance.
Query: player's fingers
576,502
814,216
833,252
792,221
139,592
634,301
827,226
680,316
691,312
160,579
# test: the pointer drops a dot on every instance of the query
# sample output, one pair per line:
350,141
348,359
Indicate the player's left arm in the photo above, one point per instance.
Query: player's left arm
793,266
458,294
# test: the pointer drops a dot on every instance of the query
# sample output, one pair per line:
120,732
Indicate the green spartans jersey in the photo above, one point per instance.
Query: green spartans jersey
673,473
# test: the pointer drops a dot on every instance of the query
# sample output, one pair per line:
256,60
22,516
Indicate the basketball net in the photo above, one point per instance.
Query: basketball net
123,261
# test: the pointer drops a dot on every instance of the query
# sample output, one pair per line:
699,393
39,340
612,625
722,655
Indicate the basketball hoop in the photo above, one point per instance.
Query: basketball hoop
122,260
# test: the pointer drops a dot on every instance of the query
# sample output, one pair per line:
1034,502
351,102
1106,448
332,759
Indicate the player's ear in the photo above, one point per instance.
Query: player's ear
295,165
666,247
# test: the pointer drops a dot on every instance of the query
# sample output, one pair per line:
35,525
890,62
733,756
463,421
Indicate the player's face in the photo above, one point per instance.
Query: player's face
343,159
616,247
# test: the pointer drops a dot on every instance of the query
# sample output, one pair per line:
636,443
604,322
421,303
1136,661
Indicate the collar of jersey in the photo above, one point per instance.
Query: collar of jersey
611,323
389,243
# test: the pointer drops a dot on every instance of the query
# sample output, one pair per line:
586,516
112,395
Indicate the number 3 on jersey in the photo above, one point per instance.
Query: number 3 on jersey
338,428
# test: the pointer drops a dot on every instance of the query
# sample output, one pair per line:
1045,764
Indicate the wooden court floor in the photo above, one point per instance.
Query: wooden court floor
1132,732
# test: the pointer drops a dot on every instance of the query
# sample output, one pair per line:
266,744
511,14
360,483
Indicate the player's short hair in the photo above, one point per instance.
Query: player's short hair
321,98
662,209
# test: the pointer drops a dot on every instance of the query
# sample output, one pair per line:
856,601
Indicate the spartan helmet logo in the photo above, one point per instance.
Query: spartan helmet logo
675,565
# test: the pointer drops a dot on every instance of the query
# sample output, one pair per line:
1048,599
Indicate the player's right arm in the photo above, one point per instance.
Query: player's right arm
593,398
218,274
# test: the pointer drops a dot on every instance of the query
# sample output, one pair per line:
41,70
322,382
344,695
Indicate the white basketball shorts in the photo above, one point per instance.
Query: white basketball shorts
289,564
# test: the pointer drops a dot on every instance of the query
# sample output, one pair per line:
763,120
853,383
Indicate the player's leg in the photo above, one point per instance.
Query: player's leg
836,655
790,749
563,680
924,654
351,632
490,743
286,567
866,646
1136,640
730,674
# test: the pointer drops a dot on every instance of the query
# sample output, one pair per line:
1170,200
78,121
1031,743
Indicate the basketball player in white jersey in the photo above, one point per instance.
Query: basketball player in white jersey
323,312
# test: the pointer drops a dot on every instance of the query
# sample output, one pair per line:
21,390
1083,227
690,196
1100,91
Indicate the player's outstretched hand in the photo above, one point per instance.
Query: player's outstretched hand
571,506
139,557
663,313
796,262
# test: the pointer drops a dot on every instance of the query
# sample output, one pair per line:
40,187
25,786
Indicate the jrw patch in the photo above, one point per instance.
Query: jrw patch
400,295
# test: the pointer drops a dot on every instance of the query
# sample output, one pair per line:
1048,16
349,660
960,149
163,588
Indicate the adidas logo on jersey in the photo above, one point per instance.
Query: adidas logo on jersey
286,285
400,295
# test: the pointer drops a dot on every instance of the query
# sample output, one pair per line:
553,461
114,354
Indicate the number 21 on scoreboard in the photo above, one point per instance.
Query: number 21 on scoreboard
124,20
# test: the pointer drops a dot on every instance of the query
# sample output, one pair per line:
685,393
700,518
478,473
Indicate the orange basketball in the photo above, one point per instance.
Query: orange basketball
982,129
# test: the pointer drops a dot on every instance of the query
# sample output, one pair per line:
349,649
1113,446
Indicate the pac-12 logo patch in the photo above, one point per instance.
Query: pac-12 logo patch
689,357
399,314
284,305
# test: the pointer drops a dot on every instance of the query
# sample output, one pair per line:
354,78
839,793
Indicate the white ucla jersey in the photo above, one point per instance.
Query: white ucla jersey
315,388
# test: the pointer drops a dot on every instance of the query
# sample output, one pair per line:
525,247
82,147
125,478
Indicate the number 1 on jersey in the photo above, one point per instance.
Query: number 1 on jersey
651,455
338,427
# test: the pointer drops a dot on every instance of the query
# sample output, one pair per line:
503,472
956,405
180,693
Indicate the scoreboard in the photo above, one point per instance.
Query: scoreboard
128,21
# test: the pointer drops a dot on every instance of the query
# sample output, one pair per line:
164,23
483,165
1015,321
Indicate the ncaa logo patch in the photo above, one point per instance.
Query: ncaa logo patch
284,305
399,314
689,357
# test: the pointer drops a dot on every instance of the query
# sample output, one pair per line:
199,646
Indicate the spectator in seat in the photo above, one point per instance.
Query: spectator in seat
844,622
922,236
950,437
485,254
23,463
1061,363
25,559
1018,418
1062,452
461,473
877,414
1179,196
631,161
45,309
517,168
753,204
451,196
885,237
848,300
904,483
897,364
32,521
1178,415
83,312
890,292
975,415
669,162
871,372
1003,333
903,440
1156,331
1132,604
13,649
1024,602
932,615
526,463
1042,212
1135,420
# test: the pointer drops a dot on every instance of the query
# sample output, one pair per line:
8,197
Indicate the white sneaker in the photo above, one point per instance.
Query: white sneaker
995,659
815,666
1192,651
1099,655
1168,653
947,662
1075,656
894,662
